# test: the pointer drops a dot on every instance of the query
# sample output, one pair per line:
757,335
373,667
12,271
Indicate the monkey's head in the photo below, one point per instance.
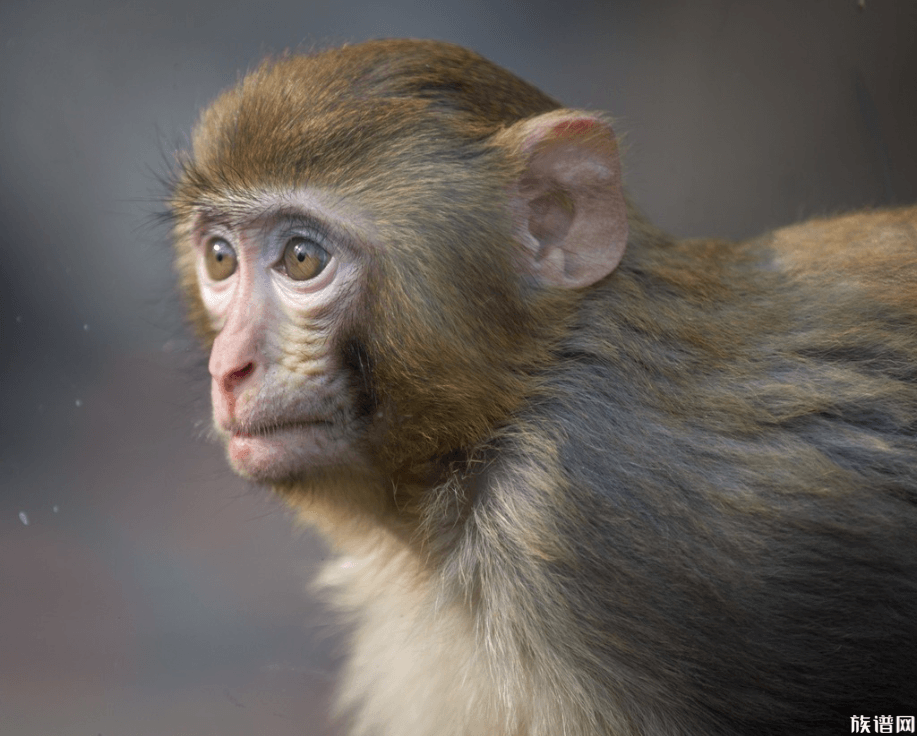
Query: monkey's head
380,244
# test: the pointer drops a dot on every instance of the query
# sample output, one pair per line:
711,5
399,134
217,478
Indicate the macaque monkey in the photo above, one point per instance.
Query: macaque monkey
582,478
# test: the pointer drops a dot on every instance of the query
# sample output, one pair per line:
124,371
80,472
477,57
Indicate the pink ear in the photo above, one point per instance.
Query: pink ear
570,206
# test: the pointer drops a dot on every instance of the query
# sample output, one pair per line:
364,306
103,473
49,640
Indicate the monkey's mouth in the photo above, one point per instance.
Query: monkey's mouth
269,429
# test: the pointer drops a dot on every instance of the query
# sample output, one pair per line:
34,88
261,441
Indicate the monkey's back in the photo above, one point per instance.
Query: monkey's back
755,443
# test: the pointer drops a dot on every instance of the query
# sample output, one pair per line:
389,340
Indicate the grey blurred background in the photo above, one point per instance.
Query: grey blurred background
144,590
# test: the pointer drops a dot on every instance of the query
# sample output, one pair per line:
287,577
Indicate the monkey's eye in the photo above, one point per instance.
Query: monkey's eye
304,259
220,259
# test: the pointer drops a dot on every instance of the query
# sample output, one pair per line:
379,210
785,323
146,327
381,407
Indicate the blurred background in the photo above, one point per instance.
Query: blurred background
144,591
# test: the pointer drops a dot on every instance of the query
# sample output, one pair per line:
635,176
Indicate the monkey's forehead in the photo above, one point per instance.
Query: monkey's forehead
256,130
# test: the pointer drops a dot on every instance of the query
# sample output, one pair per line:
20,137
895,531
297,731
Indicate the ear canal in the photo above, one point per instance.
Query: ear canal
570,206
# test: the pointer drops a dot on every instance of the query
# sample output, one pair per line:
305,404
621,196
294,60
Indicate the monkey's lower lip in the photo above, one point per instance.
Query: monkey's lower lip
269,452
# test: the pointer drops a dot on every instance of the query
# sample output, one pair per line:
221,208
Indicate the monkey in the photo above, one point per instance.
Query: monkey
580,477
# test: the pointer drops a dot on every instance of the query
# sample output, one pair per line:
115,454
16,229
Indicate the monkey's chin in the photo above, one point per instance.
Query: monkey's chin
286,453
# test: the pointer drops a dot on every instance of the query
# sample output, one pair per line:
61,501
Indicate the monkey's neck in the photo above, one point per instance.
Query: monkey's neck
415,512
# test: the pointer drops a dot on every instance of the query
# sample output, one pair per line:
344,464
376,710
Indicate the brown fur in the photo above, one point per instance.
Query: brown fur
680,501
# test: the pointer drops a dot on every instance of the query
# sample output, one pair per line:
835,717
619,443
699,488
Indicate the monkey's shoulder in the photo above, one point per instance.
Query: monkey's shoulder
897,224
825,266
873,253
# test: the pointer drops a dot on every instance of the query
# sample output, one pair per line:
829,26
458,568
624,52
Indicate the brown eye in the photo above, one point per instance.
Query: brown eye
220,259
304,259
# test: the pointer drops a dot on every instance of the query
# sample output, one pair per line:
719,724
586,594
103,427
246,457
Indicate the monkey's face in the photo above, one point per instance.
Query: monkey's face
277,282
382,268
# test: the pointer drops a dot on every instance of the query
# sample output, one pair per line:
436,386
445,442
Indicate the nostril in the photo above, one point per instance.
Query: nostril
237,376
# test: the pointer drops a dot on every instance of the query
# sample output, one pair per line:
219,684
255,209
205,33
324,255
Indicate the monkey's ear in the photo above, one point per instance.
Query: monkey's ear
569,204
